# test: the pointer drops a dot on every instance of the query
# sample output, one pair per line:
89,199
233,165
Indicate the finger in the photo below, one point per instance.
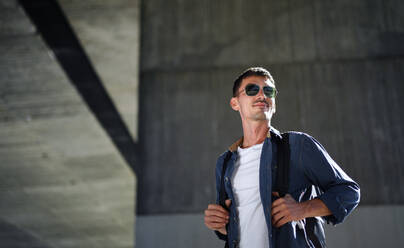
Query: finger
228,202
216,213
216,226
214,219
278,202
278,216
283,221
217,207
223,230
275,194
277,209
215,222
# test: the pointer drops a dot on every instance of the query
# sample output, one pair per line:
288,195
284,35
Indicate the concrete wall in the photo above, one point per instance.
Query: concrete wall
337,64
109,32
369,226
62,181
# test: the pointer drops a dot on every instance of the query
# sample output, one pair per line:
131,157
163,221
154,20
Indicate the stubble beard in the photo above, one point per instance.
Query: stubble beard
264,116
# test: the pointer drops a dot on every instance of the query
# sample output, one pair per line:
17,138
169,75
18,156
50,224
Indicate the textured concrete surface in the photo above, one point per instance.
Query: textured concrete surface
62,181
359,230
109,33
338,66
195,34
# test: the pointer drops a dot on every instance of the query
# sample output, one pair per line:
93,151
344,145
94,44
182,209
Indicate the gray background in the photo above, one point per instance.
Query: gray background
338,66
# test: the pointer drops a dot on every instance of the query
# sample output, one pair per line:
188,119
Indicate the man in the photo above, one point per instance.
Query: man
254,215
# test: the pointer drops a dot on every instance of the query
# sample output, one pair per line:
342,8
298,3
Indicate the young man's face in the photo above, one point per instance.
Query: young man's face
254,108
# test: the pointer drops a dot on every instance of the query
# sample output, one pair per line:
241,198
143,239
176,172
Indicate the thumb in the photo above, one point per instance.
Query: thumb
228,202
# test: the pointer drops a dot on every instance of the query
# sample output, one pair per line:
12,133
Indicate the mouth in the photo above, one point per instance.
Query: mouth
261,105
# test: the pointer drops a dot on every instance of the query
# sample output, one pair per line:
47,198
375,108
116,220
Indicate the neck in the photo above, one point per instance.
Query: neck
255,132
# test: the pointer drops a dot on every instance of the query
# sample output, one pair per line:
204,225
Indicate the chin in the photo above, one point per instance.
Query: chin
261,117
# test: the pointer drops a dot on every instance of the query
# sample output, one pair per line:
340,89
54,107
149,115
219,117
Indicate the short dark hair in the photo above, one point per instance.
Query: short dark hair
252,71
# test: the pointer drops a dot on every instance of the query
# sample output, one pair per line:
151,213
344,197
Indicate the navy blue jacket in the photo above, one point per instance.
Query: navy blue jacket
313,173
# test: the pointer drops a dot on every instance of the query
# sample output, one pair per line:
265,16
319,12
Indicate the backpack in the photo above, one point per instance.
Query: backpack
314,228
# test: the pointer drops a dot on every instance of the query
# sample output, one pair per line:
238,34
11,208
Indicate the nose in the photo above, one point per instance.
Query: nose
261,94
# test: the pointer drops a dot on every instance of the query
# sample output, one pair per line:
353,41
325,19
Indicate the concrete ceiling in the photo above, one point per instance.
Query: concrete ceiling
62,181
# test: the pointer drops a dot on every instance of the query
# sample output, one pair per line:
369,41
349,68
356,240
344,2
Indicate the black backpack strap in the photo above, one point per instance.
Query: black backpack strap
222,192
282,172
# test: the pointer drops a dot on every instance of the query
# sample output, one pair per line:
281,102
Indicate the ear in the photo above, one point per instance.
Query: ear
234,104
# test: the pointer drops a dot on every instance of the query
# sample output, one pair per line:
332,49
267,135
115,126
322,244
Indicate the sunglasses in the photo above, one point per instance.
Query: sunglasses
253,89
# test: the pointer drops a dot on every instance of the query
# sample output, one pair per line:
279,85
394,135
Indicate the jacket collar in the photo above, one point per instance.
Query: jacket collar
236,144
271,131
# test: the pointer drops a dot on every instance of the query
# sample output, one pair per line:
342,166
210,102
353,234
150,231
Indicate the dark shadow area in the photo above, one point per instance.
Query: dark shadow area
13,237
56,31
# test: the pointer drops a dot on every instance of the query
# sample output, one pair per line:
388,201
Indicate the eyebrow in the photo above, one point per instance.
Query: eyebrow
270,83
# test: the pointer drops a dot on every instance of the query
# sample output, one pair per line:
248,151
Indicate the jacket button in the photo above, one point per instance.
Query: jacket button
226,179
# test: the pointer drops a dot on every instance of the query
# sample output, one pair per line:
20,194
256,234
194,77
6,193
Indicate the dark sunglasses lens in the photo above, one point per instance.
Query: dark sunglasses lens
252,89
269,91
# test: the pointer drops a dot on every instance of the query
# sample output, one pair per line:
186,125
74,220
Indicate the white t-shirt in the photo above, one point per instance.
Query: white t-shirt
245,183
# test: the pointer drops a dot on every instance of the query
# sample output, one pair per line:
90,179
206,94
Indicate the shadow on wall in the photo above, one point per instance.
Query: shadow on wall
13,236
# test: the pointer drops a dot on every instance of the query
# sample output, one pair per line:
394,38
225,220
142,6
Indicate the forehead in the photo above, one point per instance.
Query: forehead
259,80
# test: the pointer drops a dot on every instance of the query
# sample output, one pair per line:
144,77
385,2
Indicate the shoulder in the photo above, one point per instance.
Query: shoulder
223,155
298,136
294,136
303,140
221,158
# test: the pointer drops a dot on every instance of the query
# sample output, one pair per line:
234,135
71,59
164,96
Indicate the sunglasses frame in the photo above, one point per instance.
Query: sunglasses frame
273,93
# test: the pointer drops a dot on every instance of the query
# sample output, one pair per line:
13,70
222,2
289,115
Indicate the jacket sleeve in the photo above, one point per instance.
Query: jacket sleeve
340,193
218,171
